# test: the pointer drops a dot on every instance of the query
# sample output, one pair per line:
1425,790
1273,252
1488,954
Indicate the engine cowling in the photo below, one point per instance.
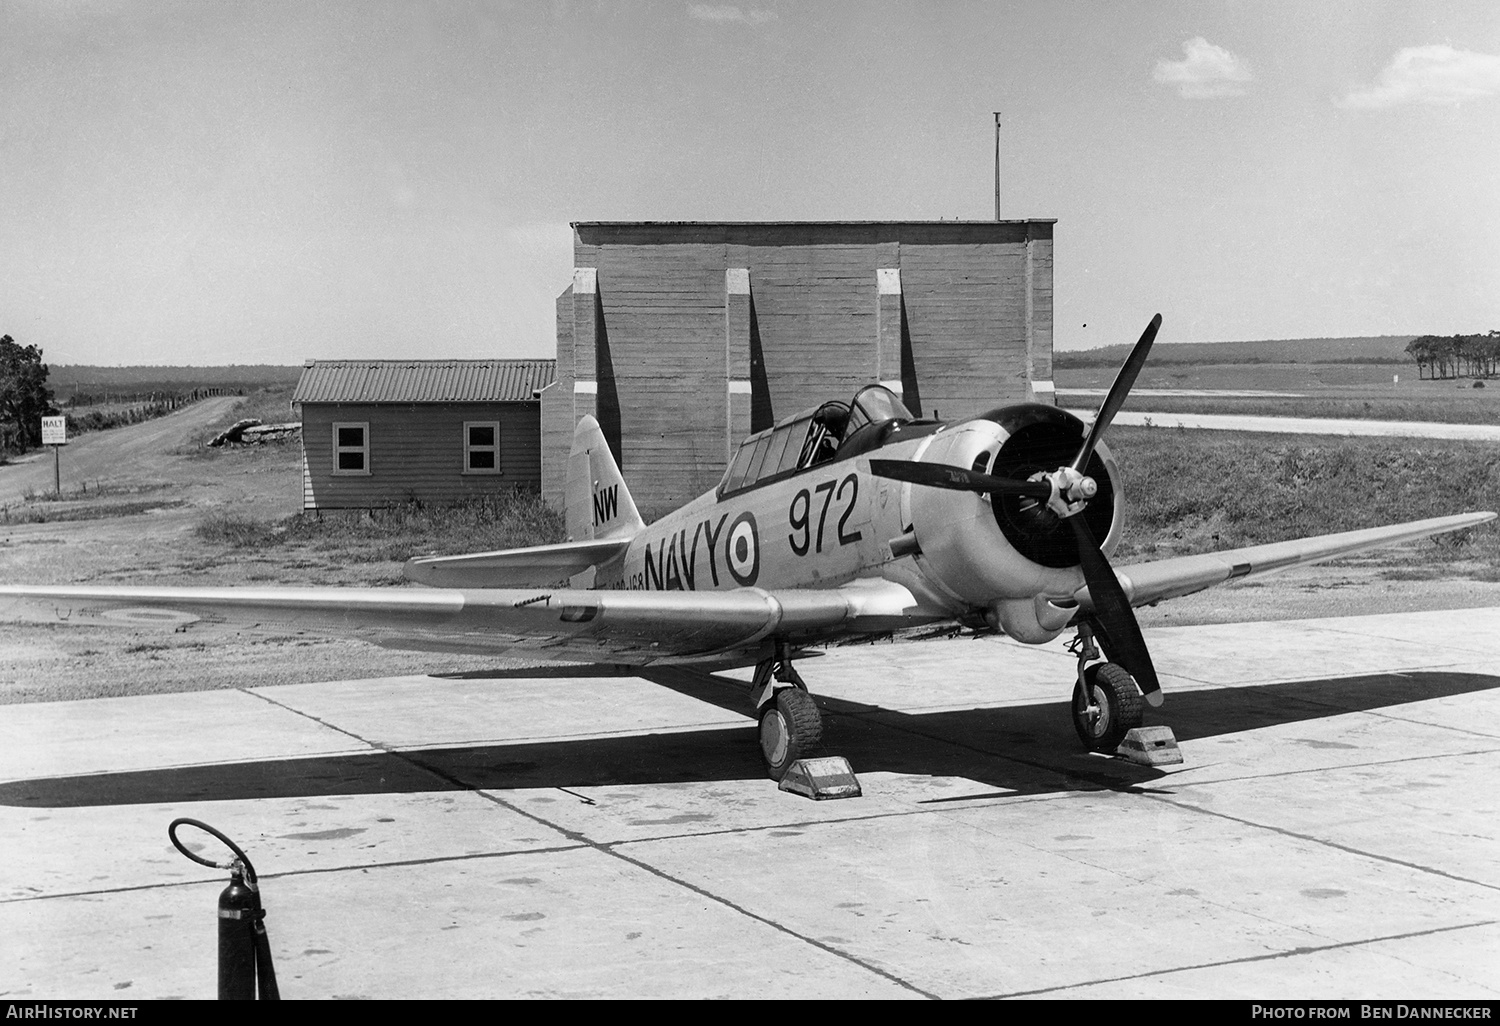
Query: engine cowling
1005,553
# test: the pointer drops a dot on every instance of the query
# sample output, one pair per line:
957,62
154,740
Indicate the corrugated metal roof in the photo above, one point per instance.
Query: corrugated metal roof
423,381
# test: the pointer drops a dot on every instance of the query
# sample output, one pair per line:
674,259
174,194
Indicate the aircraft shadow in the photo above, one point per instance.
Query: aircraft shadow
1017,750
542,672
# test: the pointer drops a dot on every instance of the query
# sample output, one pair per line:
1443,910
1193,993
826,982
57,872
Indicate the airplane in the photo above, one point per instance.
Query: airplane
840,523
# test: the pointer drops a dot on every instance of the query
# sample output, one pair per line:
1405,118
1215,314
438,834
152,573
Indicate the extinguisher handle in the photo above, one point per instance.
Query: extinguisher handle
240,857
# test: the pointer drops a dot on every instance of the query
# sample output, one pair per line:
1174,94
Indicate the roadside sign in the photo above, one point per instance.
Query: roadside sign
54,430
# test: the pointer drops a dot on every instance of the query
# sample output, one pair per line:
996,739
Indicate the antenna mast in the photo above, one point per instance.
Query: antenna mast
997,165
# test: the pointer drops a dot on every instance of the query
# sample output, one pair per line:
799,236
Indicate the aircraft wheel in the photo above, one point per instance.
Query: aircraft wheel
1111,709
790,729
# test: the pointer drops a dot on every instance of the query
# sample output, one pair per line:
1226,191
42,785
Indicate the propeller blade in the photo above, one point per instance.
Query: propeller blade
1118,393
939,475
1121,634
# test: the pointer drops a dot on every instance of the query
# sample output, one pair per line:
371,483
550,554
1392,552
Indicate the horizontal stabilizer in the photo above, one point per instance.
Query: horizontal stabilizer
1162,579
539,565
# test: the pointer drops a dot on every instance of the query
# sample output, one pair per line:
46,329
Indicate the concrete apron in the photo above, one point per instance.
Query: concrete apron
1332,833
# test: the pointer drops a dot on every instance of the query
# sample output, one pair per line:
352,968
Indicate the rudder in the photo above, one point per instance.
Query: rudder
598,502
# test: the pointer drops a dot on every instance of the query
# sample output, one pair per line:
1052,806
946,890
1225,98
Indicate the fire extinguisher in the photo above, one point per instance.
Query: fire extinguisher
244,947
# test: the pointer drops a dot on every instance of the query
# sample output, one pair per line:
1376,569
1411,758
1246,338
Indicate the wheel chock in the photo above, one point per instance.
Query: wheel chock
819,779
1150,746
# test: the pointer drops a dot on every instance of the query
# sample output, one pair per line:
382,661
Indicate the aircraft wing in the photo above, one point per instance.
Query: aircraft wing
1145,583
514,568
631,627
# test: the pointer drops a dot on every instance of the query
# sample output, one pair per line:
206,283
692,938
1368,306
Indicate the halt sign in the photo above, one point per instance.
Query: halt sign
54,430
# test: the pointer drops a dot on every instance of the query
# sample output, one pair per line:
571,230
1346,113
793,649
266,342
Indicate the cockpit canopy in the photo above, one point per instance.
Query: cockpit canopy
827,433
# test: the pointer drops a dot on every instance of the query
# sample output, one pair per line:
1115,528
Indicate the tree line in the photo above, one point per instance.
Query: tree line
24,396
1456,356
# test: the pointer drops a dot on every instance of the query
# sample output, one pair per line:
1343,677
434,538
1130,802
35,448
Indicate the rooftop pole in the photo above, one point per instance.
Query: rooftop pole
997,165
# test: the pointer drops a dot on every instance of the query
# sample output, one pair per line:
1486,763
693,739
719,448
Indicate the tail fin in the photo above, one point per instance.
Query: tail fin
598,503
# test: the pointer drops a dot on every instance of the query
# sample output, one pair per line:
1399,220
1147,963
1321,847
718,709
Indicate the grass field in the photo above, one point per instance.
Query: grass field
395,533
1196,491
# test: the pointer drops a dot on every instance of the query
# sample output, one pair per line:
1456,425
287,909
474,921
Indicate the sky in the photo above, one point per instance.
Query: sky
270,182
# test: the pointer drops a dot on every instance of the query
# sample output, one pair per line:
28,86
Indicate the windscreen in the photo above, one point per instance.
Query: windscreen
874,404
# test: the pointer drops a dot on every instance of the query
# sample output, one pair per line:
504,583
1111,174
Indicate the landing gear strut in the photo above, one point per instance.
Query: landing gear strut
1106,700
791,727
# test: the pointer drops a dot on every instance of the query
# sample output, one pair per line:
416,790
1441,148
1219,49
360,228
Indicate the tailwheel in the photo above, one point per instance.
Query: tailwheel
1106,706
790,729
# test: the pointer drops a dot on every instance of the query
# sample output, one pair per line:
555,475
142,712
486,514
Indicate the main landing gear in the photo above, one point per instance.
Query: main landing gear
1106,701
791,727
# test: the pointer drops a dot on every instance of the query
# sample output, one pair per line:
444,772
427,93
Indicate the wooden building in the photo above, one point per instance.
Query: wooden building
683,338
378,432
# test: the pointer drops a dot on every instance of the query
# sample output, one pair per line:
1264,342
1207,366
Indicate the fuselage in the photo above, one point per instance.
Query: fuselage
833,522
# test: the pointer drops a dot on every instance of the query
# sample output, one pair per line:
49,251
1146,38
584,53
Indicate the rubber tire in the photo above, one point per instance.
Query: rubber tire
791,728
1120,706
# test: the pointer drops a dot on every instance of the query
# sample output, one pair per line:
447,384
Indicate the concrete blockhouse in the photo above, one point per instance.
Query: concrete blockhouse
377,432
683,338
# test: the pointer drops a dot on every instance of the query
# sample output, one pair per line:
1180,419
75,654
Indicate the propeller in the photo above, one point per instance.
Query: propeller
1117,627
1066,491
1118,392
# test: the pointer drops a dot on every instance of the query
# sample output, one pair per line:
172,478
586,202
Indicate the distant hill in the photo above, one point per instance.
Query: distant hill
89,384
235,374
1364,349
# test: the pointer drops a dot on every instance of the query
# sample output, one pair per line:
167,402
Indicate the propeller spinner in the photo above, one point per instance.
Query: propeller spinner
1067,491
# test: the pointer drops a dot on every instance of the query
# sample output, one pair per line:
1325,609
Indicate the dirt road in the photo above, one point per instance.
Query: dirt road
134,498
147,451
1305,425
165,456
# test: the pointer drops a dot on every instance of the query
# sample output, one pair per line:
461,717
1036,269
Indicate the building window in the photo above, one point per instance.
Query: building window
481,447
351,448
